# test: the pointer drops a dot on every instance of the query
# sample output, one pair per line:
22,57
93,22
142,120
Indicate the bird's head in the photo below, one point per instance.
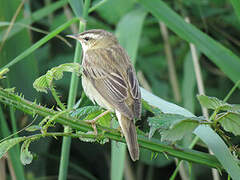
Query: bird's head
94,39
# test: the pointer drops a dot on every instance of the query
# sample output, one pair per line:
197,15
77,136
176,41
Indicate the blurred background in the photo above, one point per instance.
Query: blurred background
163,63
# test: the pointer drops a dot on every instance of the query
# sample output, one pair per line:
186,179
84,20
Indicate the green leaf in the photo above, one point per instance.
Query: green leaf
172,127
81,113
44,82
215,103
90,112
129,31
230,121
26,156
189,83
225,59
40,84
152,109
8,144
77,7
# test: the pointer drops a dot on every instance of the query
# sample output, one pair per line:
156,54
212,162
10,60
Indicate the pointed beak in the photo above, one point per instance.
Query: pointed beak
72,36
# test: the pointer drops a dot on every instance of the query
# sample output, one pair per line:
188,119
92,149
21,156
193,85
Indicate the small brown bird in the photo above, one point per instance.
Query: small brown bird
109,79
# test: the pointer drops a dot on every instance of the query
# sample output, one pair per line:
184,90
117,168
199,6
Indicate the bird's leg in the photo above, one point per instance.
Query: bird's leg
93,121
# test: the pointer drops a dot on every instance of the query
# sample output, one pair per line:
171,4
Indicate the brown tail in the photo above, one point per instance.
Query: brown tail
130,134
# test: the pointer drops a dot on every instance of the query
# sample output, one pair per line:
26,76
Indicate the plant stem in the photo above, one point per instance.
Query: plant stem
171,66
59,103
113,134
231,91
71,100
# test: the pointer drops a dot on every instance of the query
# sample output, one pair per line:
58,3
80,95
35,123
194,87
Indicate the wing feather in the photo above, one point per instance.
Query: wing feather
117,85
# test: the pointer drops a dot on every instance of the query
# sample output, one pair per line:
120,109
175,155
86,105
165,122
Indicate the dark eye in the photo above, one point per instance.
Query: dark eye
86,38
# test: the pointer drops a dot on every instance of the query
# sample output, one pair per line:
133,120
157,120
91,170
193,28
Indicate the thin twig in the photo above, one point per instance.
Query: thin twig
143,82
201,90
3,168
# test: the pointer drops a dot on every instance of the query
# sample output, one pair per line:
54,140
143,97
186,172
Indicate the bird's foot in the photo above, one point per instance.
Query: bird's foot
93,121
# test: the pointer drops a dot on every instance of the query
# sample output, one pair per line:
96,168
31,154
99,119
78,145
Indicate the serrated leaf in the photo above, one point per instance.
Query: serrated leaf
172,127
83,112
44,82
90,112
230,121
8,144
179,129
26,156
215,103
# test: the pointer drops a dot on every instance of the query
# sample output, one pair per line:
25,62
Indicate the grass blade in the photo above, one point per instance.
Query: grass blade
236,6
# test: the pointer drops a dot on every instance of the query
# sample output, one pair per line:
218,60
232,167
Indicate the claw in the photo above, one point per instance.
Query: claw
93,124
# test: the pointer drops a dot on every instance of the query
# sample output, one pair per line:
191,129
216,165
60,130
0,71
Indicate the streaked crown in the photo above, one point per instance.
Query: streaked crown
95,38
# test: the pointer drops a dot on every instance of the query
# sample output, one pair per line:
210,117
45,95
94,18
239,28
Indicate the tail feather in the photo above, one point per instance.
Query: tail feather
129,131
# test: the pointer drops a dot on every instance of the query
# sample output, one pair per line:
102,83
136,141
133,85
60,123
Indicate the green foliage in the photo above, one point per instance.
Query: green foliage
230,121
173,127
7,144
214,31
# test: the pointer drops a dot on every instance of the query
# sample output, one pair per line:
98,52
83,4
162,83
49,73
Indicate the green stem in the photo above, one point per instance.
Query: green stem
71,100
113,134
231,91
194,141
59,103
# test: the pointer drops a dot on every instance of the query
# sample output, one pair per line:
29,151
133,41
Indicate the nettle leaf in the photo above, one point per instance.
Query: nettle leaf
230,121
82,112
215,103
172,127
40,84
26,156
8,144
44,82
